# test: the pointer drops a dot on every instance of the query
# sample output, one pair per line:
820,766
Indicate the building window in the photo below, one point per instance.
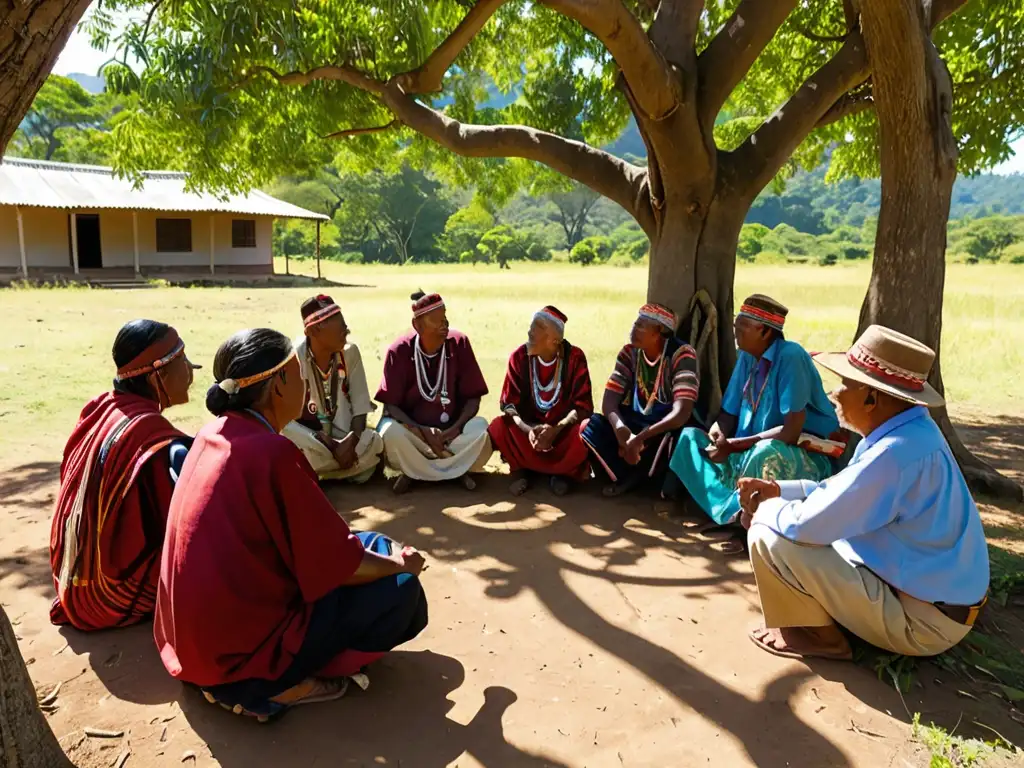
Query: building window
243,233
174,235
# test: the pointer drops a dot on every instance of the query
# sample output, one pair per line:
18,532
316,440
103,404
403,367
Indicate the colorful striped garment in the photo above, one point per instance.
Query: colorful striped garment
680,381
108,529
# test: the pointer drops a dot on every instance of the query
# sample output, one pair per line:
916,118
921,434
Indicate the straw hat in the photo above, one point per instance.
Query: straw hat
890,362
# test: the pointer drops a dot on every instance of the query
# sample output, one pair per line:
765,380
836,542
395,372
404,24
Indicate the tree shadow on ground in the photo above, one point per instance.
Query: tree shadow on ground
525,548
402,720
998,441
26,489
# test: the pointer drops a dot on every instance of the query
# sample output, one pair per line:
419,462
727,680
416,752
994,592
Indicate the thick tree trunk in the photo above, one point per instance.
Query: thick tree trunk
32,35
26,740
913,97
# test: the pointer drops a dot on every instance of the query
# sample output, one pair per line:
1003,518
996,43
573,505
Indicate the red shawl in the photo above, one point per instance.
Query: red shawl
576,391
107,532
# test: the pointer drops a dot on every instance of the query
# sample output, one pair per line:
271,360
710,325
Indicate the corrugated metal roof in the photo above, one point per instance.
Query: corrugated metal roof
63,185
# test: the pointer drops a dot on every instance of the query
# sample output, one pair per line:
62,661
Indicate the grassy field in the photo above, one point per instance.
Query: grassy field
56,342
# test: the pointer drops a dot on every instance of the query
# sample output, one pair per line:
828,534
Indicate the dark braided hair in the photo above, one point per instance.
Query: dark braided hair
131,341
247,353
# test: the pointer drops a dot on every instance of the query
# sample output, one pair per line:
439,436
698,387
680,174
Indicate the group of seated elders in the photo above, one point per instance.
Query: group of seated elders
263,597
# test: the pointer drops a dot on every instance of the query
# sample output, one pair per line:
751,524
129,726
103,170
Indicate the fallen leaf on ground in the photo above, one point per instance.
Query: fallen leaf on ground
51,696
190,755
121,759
100,733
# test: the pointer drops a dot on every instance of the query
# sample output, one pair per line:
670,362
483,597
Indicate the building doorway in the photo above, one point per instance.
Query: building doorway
90,253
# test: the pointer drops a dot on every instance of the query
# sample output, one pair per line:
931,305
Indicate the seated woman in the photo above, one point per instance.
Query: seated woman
649,397
119,469
774,409
546,401
266,598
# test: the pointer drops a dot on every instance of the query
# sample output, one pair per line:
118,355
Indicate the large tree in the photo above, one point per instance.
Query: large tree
243,88
913,95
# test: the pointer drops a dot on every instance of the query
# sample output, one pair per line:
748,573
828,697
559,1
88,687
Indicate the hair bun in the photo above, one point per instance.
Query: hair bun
417,295
217,400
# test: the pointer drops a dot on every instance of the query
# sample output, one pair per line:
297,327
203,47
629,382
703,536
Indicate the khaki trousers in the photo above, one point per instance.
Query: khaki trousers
368,451
414,459
810,586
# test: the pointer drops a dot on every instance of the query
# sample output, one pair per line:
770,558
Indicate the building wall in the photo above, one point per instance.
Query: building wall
46,240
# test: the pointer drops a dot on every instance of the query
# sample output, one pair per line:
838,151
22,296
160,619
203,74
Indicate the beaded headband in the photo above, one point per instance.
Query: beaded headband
321,314
771,319
427,304
659,314
155,356
232,386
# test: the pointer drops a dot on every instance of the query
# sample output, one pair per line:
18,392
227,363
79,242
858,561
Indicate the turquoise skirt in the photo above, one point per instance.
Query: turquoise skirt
714,486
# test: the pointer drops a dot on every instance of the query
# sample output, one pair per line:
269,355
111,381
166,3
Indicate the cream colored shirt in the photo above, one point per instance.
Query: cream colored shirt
359,394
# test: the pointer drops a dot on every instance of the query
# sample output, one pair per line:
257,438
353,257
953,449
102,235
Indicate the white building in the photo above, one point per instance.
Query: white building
57,218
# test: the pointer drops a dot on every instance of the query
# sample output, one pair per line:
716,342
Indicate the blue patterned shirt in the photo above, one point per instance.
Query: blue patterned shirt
901,508
793,384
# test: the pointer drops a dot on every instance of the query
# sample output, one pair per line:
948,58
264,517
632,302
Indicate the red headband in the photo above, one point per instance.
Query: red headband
152,358
763,315
861,359
427,304
321,314
659,314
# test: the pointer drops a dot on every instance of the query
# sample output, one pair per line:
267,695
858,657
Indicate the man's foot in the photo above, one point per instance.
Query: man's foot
733,547
520,483
313,690
468,482
402,484
559,485
804,642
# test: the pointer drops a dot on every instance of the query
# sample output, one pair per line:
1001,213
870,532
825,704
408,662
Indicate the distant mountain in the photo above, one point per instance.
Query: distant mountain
92,83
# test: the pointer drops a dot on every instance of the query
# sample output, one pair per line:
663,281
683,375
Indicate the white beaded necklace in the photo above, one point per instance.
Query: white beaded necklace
428,391
555,385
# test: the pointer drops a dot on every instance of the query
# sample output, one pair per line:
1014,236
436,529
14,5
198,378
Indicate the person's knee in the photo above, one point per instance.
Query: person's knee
376,444
766,542
393,433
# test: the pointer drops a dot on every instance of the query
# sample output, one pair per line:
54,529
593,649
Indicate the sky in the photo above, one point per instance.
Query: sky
79,56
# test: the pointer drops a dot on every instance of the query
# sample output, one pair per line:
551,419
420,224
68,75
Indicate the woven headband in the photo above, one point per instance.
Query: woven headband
545,315
763,316
861,359
658,315
322,314
152,358
232,386
419,312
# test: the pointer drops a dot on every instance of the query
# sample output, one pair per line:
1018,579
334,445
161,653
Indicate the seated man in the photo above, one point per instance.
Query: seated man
648,398
120,467
332,432
774,404
892,547
431,392
546,401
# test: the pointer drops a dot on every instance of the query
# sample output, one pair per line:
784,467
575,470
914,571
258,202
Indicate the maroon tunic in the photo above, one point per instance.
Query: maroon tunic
118,451
569,455
398,385
252,542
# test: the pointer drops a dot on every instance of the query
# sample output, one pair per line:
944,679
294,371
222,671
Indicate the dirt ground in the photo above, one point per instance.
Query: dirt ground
563,632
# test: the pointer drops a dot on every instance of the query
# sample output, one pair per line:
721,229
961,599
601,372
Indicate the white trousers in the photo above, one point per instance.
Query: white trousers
412,457
368,451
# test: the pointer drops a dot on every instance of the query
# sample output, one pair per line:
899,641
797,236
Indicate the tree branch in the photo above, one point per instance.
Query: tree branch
943,9
674,29
606,174
753,164
429,76
848,104
815,37
655,83
330,72
733,51
350,132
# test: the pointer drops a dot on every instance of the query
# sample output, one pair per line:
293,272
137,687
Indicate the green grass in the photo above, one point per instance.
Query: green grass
951,751
56,342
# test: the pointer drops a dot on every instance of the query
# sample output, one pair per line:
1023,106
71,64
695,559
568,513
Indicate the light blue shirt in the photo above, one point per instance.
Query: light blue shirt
901,508
793,385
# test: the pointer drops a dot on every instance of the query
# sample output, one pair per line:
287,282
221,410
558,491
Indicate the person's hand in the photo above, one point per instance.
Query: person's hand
634,450
450,434
719,450
412,561
434,438
754,490
344,450
622,434
545,437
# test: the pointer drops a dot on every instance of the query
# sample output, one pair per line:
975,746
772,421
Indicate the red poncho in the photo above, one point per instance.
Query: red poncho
569,456
252,542
108,529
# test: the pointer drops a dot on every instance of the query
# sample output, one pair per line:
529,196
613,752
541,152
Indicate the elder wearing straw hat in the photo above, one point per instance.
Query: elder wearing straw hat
892,547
